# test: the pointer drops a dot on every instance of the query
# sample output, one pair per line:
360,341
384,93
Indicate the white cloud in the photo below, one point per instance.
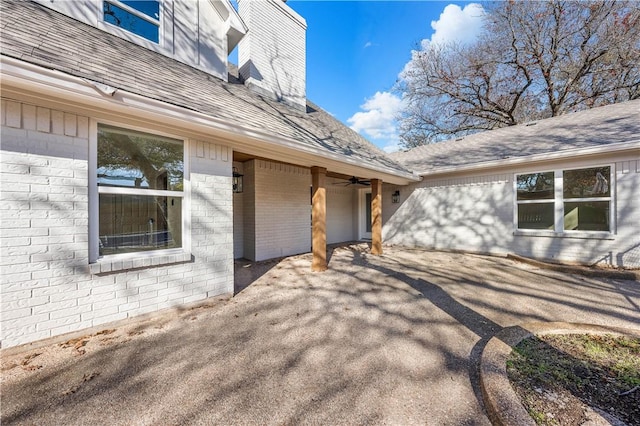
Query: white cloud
457,25
392,146
377,120
368,44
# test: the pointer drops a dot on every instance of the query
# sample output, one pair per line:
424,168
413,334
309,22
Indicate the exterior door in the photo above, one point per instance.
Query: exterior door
364,222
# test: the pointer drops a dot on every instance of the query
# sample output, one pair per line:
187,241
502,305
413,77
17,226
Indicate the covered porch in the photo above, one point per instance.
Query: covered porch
282,209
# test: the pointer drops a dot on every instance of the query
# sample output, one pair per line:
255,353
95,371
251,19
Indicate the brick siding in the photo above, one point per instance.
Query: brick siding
48,287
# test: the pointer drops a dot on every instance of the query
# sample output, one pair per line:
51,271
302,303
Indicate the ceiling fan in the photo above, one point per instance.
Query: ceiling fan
354,181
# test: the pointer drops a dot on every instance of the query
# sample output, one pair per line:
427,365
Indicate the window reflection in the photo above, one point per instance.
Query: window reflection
139,160
535,186
587,183
145,22
586,216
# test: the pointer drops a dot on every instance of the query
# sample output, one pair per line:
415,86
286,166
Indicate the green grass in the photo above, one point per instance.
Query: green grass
597,369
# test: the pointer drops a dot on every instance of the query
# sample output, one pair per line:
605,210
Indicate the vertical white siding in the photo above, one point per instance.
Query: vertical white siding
192,31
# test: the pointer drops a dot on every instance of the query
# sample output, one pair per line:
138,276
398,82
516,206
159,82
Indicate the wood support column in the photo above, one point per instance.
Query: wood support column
376,216
319,219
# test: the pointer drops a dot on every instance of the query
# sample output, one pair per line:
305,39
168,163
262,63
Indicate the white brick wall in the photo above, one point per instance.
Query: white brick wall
47,286
475,213
341,211
238,218
277,210
272,56
249,211
463,214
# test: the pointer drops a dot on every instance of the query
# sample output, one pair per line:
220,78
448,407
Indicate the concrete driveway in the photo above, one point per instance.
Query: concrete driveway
393,339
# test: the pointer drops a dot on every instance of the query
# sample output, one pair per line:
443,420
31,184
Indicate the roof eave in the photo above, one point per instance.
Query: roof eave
27,76
619,147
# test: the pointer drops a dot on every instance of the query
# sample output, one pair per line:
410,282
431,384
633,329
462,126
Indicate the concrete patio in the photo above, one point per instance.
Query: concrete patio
392,339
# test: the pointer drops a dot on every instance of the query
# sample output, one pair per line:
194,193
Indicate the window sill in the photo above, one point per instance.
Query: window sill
575,234
117,263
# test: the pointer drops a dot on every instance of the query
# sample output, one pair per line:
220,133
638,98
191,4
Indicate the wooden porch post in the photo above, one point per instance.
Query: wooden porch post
376,216
319,219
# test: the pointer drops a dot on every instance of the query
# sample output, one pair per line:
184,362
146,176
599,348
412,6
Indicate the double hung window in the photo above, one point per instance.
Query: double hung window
587,199
565,200
140,17
140,180
535,195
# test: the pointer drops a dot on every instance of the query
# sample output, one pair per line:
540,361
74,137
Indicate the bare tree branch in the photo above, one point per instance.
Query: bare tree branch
534,60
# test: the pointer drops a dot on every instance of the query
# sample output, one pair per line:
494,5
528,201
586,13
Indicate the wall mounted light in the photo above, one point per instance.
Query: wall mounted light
395,197
237,181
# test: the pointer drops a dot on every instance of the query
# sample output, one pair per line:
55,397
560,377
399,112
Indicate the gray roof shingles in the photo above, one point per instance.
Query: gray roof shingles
605,125
41,36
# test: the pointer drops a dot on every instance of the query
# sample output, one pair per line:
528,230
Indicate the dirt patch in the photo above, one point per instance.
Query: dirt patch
574,379
17,366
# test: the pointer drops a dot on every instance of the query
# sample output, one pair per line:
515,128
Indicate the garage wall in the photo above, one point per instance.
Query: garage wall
462,213
475,212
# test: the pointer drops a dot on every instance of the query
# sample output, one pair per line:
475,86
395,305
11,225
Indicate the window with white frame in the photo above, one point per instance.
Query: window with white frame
564,200
140,178
535,195
140,17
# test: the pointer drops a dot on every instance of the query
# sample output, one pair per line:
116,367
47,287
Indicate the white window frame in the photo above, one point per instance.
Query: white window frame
95,191
536,201
131,36
559,200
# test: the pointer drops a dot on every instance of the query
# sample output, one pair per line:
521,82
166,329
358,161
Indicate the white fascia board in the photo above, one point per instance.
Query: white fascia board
99,98
573,153
292,13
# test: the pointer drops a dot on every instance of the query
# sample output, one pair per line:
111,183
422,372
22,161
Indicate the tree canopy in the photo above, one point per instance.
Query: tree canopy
533,60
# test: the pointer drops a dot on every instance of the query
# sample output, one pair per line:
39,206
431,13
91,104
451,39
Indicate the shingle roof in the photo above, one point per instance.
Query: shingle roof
590,128
41,36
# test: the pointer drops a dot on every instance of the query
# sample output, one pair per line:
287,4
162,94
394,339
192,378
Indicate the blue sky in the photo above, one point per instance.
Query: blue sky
356,49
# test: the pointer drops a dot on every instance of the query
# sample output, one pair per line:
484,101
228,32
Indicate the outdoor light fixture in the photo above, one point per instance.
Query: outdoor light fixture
237,180
395,197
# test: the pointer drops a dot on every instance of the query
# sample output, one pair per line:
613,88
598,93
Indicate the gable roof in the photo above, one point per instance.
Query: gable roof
41,36
593,128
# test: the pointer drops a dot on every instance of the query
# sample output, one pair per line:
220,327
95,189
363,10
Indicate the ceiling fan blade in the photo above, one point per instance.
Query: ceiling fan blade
353,181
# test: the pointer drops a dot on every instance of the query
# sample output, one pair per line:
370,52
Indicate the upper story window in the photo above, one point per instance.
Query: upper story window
140,17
